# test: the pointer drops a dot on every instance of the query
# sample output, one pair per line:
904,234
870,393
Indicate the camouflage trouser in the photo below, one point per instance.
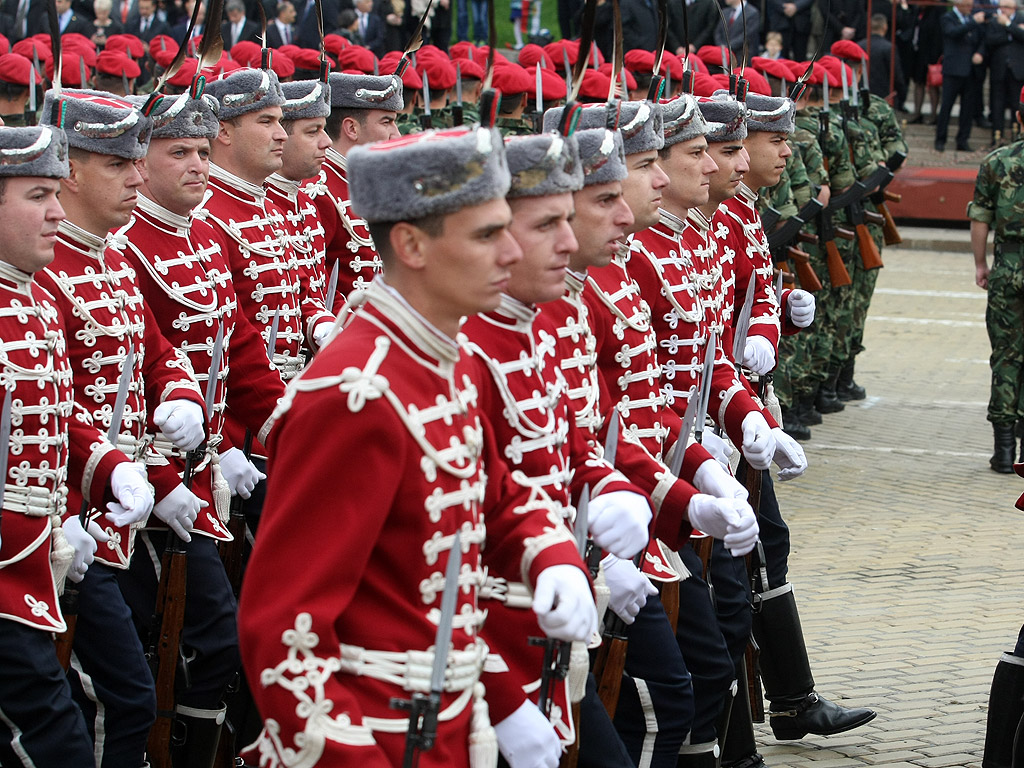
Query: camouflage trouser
1004,318
842,340
863,289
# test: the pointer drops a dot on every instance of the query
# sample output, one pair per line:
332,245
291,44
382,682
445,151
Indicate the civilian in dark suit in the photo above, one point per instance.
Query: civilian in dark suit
147,25
639,24
179,29
735,28
792,19
963,52
70,22
237,27
1004,41
306,23
33,18
370,27
844,20
703,18
281,31
883,61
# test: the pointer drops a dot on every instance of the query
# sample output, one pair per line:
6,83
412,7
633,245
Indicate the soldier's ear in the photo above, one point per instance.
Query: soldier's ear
409,245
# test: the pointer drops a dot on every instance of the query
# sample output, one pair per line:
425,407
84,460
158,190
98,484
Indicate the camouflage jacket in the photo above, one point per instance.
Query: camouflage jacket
999,193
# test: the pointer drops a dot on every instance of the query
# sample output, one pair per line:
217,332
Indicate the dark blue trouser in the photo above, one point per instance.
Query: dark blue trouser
774,534
40,724
109,676
600,745
655,710
210,636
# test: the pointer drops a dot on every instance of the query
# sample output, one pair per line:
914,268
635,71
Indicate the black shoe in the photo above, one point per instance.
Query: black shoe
963,147
806,411
752,761
940,146
1005,447
916,120
846,387
793,427
826,400
983,122
816,714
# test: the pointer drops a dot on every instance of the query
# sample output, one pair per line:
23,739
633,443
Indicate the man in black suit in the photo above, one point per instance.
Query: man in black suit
370,27
147,25
237,27
844,20
281,31
791,19
735,27
70,22
1004,41
963,53
305,22
22,18
639,24
882,61
178,30
703,20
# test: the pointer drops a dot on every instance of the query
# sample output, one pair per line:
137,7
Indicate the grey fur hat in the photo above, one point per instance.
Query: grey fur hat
601,156
639,124
306,99
366,91
101,122
771,114
683,120
544,164
183,117
38,151
726,119
246,90
427,174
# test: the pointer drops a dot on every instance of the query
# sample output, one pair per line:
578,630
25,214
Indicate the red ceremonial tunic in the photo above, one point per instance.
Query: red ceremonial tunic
524,399
347,236
330,633
186,281
53,448
105,313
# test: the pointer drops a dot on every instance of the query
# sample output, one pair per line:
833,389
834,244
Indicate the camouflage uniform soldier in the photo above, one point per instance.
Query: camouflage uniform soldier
999,205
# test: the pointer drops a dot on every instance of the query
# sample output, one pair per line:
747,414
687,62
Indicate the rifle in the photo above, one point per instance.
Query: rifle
169,610
870,257
827,233
890,233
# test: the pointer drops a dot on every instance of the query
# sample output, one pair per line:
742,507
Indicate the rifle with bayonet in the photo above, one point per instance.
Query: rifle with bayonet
169,610
828,231
782,248
423,708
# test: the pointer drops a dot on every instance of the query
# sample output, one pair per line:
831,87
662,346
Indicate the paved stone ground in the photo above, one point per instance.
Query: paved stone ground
906,546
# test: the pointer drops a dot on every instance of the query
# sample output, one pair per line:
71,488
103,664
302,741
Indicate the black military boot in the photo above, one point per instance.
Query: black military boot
846,387
793,426
1005,448
796,709
739,750
1005,710
200,735
809,415
827,401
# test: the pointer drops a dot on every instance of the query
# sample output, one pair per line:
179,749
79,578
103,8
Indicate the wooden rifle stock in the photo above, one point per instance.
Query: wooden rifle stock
807,237
64,640
845,234
788,278
571,755
232,552
752,481
609,664
870,217
837,273
890,234
804,271
869,255
892,197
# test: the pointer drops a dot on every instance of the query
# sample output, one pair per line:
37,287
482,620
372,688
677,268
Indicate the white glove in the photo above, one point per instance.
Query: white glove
759,355
789,456
240,474
527,740
182,422
84,543
564,604
134,494
758,441
801,308
712,479
628,586
717,447
618,522
321,331
179,509
742,536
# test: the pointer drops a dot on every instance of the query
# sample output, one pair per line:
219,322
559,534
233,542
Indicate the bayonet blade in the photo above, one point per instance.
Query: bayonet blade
689,419
211,380
842,76
742,326
332,286
824,92
705,385
443,638
611,438
5,443
426,94
778,288
272,338
117,415
538,86
458,84
579,527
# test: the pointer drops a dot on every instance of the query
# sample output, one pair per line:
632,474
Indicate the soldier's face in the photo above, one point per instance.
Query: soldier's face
768,154
107,188
29,215
175,173
541,226
732,165
378,125
689,168
643,188
305,149
256,143
601,223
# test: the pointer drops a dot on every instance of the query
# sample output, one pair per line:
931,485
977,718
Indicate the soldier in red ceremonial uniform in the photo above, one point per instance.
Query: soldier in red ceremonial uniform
525,401
363,110
52,447
417,463
109,326
185,278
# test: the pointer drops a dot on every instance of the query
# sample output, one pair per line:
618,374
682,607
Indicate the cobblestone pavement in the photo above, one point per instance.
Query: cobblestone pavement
906,546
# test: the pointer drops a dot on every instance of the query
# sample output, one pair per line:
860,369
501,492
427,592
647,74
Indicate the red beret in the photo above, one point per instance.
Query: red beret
290,49
639,60
70,69
75,42
429,49
162,43
606,69
224,66
183,77
704,84
595,85
721,81
335,44
411,80
773,67
470,69
832,65
552,84
466,50
28,45
756,82
797,68
163,59
17,70
513,80
849,50
531,54
440,71
116,63
712,55
554,52
282,65
128,44
358,58
247,53
306,58
5,45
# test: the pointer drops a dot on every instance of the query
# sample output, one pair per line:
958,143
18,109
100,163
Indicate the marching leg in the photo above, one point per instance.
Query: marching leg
1005,709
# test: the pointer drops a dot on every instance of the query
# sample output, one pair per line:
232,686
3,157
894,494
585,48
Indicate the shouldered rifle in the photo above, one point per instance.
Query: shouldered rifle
423,708
889,231
770,216
169,610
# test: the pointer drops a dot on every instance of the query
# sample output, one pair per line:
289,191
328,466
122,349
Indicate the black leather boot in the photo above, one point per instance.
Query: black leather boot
846,387
796,709
1005,710
809,415
827,401
792,425
1005,448
200,729
739,750
698,756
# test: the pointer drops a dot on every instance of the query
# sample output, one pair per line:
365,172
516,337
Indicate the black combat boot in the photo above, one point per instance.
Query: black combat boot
827,401
809,415
792,425
1005,448
200,735
1005,710
796,709
846,387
